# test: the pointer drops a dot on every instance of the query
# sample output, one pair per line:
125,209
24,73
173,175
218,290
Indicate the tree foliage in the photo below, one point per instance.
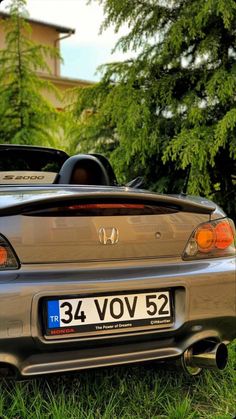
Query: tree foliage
25,116
173,105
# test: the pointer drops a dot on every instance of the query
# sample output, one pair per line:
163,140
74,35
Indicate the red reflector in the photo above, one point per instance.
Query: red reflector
104,206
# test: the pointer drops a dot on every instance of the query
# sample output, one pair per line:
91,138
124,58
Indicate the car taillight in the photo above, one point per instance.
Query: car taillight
8,258
105,205
212,239
224,235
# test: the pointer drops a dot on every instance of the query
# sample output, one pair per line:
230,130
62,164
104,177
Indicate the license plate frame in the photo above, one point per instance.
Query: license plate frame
116,325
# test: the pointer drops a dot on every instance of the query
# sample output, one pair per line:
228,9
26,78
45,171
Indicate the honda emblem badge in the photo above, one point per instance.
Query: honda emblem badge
108,235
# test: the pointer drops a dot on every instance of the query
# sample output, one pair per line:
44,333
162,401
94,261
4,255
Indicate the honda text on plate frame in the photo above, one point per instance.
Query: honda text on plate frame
108,313
95,274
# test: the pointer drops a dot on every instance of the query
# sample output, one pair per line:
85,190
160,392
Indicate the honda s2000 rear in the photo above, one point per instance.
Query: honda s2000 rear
93,274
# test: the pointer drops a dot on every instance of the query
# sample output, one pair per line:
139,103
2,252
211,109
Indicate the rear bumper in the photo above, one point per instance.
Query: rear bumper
30,361
204,307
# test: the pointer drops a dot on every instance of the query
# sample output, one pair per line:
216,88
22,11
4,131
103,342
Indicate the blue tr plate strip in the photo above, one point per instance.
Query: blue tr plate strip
53,314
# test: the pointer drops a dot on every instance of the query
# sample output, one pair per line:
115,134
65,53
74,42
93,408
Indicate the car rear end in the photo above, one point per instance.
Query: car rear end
101,276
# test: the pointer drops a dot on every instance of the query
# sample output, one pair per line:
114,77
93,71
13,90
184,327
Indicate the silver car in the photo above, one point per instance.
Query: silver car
94,274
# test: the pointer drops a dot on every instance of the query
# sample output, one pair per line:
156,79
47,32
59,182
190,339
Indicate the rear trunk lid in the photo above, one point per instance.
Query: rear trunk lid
51,225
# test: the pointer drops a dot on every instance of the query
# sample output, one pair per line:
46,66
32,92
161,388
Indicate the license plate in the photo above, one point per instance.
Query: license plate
109,313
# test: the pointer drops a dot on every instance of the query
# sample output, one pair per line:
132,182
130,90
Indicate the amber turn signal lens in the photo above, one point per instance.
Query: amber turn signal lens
205,237
212,239
224,235
3,256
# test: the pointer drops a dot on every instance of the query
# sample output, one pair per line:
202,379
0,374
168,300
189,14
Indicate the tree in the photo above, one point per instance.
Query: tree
173,105
25,116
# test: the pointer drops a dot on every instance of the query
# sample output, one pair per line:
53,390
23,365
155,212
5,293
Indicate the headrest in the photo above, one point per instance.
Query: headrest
83,169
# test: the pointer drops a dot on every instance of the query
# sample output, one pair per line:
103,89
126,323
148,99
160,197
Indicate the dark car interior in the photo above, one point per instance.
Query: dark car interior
80,169
84,169
23,158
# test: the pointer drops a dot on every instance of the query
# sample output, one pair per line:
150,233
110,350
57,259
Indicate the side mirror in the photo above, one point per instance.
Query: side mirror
137,183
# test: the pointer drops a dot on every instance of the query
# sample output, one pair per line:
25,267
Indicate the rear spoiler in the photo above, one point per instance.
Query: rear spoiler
25,200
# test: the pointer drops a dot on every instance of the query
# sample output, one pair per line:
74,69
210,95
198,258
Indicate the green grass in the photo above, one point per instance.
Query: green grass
140,391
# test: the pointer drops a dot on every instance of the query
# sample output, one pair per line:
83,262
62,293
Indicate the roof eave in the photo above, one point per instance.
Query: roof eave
58,28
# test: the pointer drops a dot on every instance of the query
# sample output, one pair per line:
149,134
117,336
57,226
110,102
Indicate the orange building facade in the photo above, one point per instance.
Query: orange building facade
50,35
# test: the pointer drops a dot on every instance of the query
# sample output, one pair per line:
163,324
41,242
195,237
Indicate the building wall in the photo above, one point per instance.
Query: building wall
44,35
63,85
49,36
2,34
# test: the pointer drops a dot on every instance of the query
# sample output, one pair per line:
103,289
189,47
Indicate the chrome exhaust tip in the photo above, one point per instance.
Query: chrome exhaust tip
204,355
